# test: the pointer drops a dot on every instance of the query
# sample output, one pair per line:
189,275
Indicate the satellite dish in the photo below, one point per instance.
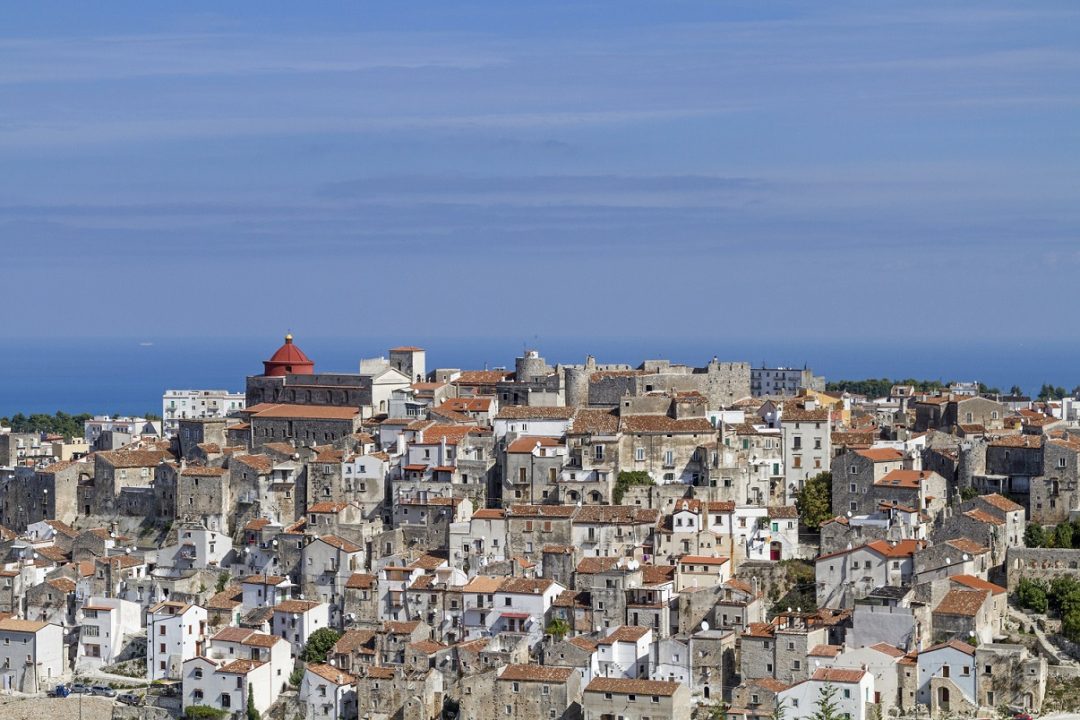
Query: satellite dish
704,625
948,561
965,557
849,513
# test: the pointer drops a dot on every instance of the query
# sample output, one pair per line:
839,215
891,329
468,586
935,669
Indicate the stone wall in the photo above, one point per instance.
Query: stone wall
1040,564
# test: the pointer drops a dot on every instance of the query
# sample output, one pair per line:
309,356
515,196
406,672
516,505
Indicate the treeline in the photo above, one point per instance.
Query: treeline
1065,536
70,426
880,387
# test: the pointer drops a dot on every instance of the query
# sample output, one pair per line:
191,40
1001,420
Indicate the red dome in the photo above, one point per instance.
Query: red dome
288,360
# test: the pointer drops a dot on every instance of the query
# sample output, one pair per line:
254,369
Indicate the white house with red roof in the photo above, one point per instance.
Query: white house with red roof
626,652
327,693
103,625
847,575
226,684
880,660
175,633
947,677
296,620
478,540
854,689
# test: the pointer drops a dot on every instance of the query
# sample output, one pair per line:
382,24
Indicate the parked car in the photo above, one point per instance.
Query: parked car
59,691
130,699
79,688
1021,716
103,691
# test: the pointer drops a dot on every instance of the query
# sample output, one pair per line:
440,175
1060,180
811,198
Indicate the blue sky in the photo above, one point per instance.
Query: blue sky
748,170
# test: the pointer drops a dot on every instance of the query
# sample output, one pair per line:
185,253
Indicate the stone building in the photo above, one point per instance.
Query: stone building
1056,492
1009,675
635,699
531,692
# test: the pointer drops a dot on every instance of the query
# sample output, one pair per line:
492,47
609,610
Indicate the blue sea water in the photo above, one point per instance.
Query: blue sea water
128,375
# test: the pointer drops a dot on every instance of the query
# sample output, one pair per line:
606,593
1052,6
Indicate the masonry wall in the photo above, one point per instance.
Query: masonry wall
1040,564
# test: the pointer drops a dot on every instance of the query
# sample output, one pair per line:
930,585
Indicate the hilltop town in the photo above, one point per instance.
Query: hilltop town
580,542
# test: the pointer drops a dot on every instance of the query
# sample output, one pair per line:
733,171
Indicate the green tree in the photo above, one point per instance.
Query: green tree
222,581
968,493
779,711
557,628
252,713
1034,536
627,478
826,704
719,711
204,712
1070,625
815,500
1016,391
1063,536
1032,595
319,644
296,676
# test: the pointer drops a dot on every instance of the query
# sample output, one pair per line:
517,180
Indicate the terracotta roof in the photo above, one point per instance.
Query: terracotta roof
62,584
428,647
908,479
427,562
624,633
481,377
295,606
839,675
1001,502
722,506
664,424
332,674
977,583
770,684
657,574
227,599
233,634
489,514
329,508
797,414
825,651
616,515
954,644
627,686
527,443
202,471
452,434
537,673
257,524
1031,442
594,565
962,602
134,458
308,412
584,643
406,627
525,586
353,640
407,348
16,625
379,673
890,650
984,517
881,454
535,412
62,528
259,463
903,548
361,581
541,511
702,560
272,580
965,545
592,421
341,543
788,512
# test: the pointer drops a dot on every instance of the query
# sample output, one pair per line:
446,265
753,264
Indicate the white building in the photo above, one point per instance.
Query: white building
880,660
30,654
133,426
175,633
479,540
327,692
845,576
807,433
625,652
236,643
179,405
541,421
196,549
105,623
516,605
781,381
226,684
296,620
854,689
947,675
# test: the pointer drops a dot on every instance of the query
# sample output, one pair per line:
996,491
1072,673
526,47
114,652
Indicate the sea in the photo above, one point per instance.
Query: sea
128,375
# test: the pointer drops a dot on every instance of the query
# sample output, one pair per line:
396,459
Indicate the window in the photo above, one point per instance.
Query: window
598,452
631,698
226,700
198,673
545,690
847,693
639,454
853,488
516,687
